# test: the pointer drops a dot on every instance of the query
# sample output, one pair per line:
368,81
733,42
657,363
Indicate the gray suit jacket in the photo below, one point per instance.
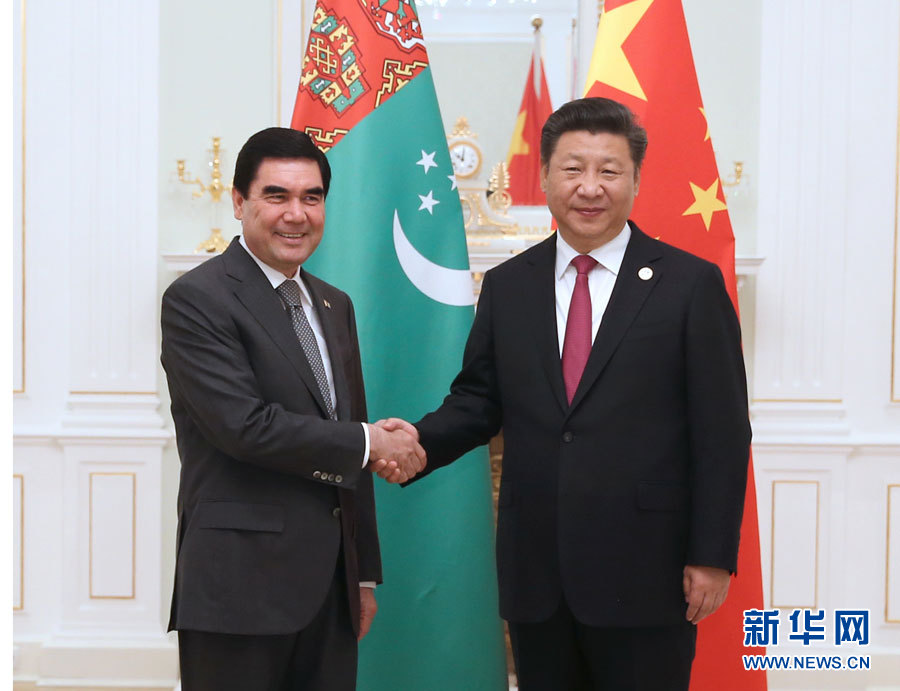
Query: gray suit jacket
271,489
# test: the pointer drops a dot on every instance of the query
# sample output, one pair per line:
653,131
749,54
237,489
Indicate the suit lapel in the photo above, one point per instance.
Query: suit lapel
256,294
333,335
540,292
628,296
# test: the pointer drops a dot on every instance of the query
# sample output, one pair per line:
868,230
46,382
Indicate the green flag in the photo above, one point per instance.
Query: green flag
394,240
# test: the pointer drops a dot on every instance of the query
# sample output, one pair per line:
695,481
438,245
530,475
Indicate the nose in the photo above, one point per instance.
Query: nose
591,185
294,212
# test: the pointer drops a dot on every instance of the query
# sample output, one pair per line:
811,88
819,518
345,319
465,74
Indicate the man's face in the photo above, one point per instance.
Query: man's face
590,183
284,212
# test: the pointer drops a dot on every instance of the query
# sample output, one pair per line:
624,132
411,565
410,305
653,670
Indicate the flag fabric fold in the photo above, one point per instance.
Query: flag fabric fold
642,58
394,241
524,157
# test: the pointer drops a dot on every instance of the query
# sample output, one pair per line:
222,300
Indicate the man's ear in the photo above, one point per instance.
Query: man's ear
237,201
637,181
545,171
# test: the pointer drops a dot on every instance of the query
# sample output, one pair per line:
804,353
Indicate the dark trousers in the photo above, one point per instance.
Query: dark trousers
321,657
562,654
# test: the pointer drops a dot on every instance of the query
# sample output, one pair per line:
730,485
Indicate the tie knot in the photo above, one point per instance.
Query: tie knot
583,263
289,292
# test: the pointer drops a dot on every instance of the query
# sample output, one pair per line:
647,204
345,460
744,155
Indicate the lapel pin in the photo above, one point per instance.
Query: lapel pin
645,273
327,304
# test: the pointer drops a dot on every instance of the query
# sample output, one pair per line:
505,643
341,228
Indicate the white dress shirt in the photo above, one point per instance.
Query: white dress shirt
600,280
276,278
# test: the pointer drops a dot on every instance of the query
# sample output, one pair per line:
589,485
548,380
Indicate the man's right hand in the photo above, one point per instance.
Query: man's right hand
394,451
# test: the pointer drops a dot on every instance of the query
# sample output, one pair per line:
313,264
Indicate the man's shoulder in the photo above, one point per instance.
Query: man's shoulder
543,252
205,277
234,264
675,258
676,254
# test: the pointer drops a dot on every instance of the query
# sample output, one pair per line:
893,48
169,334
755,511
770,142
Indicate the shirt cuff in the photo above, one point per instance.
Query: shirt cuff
366,454
367,584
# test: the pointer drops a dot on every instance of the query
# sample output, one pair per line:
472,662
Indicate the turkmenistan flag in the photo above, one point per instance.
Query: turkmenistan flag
394,240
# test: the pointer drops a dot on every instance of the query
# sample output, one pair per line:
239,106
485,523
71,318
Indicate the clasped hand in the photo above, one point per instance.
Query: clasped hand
394,450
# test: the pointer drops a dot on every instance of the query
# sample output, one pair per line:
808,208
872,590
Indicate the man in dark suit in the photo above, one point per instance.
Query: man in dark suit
613,364
277,544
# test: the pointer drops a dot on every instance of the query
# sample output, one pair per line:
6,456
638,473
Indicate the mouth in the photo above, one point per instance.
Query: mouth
290,236
590,211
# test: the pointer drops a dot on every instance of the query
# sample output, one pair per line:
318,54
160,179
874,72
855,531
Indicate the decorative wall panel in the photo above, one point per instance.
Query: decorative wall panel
795,543
892,557
112,533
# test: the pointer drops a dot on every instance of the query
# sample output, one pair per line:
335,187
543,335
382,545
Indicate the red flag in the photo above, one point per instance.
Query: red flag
642,58
524,157
357,57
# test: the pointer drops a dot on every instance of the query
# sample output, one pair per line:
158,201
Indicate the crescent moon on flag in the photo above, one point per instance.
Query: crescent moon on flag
448,286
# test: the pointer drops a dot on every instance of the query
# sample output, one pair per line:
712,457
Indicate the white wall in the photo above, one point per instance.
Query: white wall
827,435
88,435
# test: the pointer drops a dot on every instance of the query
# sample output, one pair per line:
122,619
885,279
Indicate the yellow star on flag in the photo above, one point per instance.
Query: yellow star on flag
609,64
518,144
706,202
703,113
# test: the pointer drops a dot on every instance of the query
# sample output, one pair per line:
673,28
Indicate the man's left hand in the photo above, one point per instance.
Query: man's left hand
367,609
705,588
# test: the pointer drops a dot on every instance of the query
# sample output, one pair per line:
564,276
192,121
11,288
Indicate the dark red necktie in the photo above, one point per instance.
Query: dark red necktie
577,344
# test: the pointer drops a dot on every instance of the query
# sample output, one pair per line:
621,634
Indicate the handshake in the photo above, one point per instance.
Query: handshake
394,451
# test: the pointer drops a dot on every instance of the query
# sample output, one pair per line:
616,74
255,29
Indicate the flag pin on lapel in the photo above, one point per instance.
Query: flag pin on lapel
327,304
645,273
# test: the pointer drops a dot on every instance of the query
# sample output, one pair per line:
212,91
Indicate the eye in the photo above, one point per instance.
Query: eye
275,198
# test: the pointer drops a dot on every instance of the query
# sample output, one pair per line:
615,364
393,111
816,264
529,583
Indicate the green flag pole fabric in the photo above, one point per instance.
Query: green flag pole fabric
394,240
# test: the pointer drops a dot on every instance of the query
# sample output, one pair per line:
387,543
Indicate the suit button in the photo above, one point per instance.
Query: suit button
338,478
317,474
336,512
330,477
568,436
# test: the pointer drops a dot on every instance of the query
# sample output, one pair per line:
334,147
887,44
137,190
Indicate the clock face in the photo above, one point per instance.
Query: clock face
466,159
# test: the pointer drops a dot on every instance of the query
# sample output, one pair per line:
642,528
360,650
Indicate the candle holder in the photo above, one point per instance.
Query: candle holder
215,242
733,180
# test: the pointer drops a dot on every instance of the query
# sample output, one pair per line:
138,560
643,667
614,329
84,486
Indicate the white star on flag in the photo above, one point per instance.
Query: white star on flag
427,161
428,202
452,179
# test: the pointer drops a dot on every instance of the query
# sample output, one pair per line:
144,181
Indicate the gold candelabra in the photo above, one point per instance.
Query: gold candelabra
499,198
215,242
734,179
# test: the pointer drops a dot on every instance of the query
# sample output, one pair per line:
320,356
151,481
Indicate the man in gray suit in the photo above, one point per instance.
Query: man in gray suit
277,543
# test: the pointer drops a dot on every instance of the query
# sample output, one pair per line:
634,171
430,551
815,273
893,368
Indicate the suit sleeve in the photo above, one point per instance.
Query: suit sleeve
719,426
471,414
211,377
367,546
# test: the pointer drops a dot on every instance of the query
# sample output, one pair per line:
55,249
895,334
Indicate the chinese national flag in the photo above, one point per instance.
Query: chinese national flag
524,157
642,58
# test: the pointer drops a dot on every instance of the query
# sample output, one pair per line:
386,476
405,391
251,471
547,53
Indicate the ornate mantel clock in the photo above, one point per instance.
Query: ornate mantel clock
484,206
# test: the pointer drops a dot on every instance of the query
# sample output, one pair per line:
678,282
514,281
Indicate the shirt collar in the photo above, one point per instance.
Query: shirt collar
274,276
609,255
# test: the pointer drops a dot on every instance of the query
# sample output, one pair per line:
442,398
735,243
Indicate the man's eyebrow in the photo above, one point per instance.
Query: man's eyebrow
278,189
581,156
